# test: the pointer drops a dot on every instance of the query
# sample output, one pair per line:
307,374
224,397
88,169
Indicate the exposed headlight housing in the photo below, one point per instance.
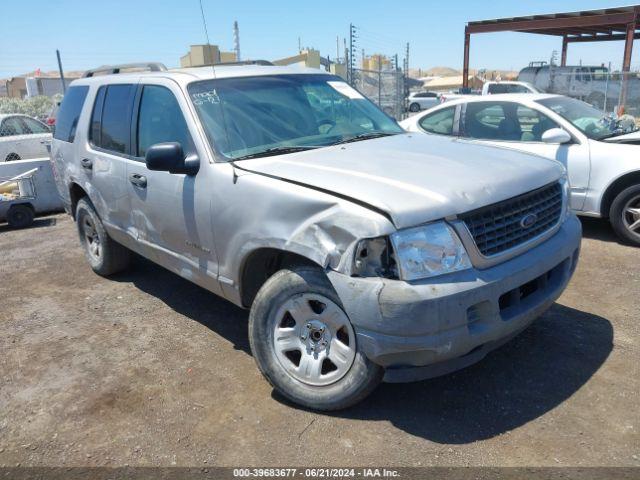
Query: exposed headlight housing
428,251
412,254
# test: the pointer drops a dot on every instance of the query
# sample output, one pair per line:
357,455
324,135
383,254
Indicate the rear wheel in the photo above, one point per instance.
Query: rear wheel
20,216
105,256
305,345
625,215
12,156
414,107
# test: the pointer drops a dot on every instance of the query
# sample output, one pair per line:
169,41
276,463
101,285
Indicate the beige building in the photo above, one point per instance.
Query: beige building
311,58
444,84
201,55
377,62
306,58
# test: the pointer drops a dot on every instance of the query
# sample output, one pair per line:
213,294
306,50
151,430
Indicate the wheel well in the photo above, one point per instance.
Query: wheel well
615,188
12,156
76,192
261,264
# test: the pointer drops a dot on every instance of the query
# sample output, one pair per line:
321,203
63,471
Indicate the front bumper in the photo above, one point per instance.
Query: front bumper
428,328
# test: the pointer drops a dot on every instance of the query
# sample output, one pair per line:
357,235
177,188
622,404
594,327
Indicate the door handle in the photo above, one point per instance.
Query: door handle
86,163
138,180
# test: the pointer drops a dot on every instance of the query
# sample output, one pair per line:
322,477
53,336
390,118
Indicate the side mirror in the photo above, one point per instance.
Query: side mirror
556,135
169,157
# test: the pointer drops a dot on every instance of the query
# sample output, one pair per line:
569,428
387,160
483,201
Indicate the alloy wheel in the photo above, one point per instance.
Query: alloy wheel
631,215
91,238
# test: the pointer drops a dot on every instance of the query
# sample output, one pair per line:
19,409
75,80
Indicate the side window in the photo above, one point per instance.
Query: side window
160,119
96,118
440,122
69,112
533,124
35,126
11,126
491,121
116,114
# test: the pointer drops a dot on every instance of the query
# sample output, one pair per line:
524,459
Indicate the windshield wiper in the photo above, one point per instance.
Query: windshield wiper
364,136
274,151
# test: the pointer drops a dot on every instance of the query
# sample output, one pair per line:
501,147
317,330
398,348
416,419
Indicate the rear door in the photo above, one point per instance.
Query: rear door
166,214
37,138
103,161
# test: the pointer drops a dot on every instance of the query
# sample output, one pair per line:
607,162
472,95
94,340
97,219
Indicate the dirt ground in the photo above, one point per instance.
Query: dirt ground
148,369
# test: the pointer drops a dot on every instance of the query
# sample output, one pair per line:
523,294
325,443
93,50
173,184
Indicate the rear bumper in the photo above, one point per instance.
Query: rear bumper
424,329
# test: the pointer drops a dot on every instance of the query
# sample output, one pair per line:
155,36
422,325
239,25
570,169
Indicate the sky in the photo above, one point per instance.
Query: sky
90,33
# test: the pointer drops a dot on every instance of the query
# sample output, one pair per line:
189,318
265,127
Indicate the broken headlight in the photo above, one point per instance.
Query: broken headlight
428,251
374,258
412,254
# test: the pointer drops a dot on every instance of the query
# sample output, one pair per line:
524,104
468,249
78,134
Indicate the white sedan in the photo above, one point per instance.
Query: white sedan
422,100
601,154
23,137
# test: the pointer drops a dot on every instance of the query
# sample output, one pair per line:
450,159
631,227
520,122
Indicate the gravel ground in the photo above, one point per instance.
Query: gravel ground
148,369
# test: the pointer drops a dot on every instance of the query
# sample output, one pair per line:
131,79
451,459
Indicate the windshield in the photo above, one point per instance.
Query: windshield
589,120
248,117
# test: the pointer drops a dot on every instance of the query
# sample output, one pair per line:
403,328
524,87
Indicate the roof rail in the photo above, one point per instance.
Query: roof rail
113,69
243,62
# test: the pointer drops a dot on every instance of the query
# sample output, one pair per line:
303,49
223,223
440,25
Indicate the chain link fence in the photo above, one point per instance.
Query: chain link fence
611,93
385,88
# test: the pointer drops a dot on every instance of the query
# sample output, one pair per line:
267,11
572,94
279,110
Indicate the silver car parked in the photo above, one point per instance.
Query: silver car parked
362,252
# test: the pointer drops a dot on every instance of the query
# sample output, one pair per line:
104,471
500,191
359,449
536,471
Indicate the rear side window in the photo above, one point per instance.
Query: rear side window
440,122
115,120
69,112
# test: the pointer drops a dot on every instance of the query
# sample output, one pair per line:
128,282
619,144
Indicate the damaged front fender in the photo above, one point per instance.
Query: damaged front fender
252,211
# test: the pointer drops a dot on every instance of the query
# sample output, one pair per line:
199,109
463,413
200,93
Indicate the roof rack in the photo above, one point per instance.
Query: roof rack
113,69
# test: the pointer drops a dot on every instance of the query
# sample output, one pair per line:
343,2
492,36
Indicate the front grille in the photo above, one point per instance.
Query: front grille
496,228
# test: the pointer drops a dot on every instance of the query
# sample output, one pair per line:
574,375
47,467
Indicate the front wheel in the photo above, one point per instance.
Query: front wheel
414,107
305,345
625,215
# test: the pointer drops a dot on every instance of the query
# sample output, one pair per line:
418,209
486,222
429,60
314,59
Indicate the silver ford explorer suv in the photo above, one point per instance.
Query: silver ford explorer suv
363,253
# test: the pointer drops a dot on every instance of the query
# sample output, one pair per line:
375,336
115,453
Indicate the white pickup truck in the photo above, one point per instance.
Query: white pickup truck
494,87
490,88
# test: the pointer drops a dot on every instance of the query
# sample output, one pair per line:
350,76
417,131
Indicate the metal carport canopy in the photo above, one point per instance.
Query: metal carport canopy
618,23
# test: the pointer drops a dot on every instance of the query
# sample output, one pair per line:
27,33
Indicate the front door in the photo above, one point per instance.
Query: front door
166,214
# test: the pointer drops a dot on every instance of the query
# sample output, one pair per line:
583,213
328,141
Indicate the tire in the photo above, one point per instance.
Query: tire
20,216
624,215
105,256
354,376
414,107
11,157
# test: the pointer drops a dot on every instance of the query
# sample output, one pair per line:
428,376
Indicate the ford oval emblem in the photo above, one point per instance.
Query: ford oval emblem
528,220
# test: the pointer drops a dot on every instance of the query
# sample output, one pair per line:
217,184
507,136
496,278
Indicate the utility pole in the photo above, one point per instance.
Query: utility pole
64,86
299,45
406,61
337,48
352,51
236,40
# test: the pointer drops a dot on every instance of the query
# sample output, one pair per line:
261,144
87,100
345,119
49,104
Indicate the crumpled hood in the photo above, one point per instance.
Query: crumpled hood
414,178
